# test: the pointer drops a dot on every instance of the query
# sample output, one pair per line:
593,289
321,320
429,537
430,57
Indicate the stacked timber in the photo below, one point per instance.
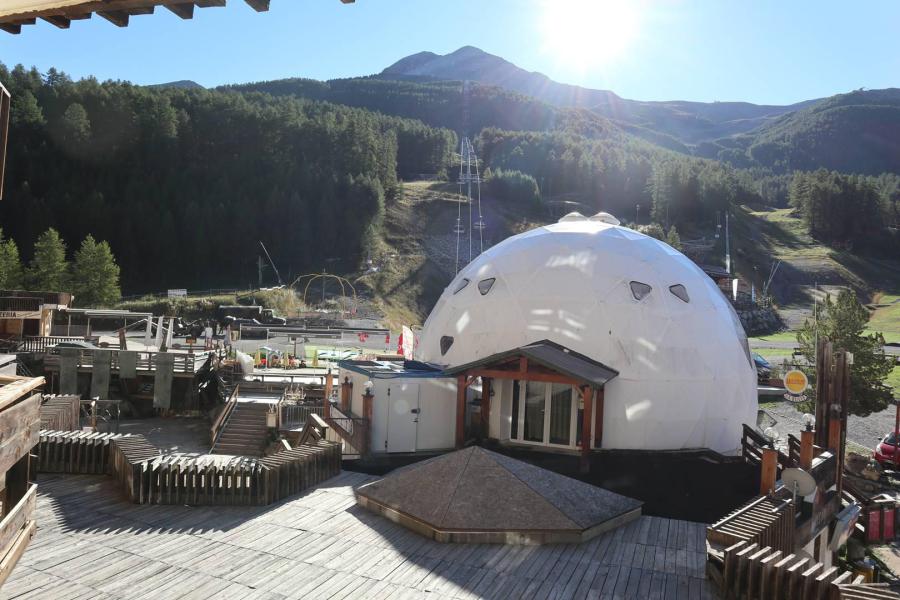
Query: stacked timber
61,413
128,455
295,470
77,452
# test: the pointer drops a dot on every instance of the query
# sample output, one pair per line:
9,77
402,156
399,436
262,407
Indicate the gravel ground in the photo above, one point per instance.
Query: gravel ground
862,431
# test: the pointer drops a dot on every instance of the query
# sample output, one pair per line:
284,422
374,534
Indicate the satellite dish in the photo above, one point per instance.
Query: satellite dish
798,481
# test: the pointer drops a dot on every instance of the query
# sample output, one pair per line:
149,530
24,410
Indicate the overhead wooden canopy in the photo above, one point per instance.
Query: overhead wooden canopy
15,13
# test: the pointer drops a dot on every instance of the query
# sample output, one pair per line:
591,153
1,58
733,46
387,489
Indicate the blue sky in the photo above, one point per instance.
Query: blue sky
763,51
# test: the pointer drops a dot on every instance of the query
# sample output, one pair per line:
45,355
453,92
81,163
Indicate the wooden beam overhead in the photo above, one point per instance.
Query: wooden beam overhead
58,20
209,3
185,11
13,28
118,18
258,5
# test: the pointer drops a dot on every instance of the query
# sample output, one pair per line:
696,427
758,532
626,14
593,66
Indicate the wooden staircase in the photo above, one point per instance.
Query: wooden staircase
245,432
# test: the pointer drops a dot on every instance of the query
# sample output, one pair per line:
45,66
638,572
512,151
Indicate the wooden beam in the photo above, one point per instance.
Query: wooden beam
460,411
118,18
486,406
185,10
258,5
209,3
12,28
58,21
587,395
806,449
12,392
768,471
598,419
523,376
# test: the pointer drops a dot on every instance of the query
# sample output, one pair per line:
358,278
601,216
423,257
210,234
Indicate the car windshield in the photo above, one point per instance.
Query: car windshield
890,439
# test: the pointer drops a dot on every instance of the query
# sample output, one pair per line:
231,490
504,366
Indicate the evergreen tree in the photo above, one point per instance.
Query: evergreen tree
843,322
673,239
47,270
10,265
95,274
654,230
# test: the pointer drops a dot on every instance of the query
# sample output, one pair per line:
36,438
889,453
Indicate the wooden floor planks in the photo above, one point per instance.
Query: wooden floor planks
91,543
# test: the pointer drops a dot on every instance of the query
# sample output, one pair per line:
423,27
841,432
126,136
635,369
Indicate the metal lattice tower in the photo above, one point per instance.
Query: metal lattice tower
469,175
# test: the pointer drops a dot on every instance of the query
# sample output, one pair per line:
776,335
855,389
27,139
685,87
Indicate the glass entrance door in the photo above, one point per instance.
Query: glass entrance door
545,414
534,411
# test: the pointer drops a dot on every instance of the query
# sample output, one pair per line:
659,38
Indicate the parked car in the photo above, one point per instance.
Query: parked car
763,367
884,451
77,344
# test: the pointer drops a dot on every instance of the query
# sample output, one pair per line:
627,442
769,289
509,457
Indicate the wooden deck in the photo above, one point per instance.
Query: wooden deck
91,543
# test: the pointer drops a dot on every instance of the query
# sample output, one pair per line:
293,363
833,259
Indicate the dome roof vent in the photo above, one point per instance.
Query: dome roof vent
605,217
572,216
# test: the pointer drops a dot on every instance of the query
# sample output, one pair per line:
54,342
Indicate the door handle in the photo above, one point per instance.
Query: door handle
415,411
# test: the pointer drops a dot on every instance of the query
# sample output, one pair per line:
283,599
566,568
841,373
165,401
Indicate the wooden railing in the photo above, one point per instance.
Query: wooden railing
219,424
766,521
41,343
755,572
145,361
752,445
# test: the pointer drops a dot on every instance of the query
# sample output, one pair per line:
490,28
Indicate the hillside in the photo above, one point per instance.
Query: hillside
687,122
857,132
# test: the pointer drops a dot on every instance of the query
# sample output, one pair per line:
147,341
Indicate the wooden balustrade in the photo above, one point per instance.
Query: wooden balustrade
219,423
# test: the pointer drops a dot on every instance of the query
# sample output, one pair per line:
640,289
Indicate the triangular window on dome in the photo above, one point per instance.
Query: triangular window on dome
680,292
462,285
446,342
640,290
485,285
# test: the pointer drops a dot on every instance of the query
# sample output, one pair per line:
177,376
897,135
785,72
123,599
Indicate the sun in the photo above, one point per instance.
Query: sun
585,34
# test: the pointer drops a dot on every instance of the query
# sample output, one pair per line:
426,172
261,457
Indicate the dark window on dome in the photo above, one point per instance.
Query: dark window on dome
446,342
680,292
640,290
485,285
461,286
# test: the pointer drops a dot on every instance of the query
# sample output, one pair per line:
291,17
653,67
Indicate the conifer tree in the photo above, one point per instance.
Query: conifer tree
95,274
48,269
673,239
10,265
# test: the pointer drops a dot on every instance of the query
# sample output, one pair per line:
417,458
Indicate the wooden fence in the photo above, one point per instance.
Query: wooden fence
751,572
145,361
42,343
766,521
148,477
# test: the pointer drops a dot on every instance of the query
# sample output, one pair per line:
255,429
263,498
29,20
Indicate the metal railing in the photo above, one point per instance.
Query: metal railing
20,303
221,421
294,416
352,432
41,343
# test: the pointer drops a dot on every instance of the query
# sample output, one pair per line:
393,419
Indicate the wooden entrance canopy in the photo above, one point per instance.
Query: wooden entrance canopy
540,361
15,13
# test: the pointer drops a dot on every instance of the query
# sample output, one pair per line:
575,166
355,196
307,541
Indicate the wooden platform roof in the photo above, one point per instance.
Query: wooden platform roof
61,13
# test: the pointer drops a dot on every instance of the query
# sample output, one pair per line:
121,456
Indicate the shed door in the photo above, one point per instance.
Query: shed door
403,417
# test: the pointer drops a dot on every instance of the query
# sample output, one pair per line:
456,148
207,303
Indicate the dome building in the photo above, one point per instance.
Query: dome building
587,311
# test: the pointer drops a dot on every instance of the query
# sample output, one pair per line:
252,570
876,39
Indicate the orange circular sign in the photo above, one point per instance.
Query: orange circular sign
795,381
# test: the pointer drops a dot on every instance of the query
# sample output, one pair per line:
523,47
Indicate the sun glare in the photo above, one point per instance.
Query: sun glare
587,33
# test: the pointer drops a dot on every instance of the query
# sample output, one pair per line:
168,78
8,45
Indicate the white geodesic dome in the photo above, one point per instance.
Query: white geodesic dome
686,378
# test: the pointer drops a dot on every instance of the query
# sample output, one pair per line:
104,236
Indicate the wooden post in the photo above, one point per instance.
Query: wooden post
368,411
834,437
486,390
326,409
598,420
587,395
346,394
769,470
806,449
460,411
